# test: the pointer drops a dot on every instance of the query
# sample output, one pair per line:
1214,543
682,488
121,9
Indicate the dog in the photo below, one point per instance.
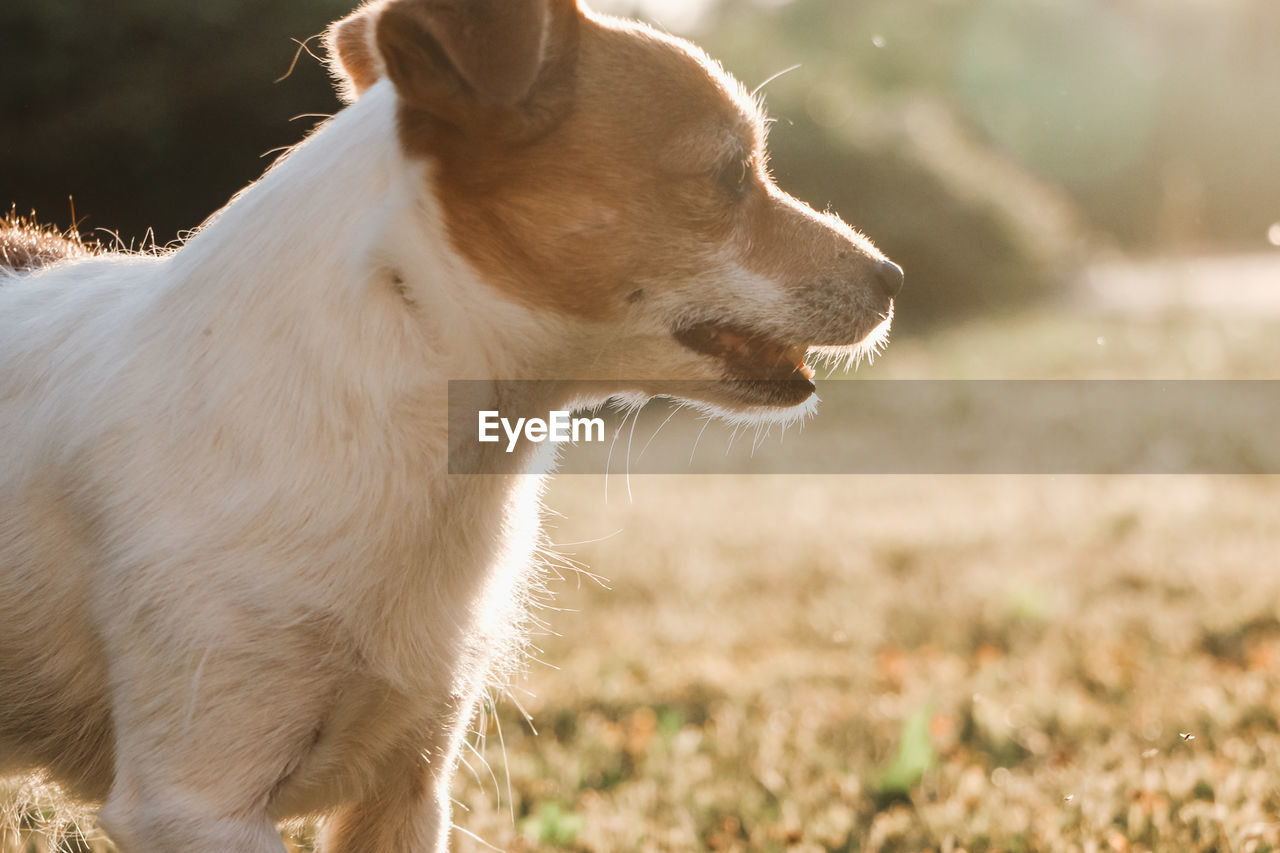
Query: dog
237,582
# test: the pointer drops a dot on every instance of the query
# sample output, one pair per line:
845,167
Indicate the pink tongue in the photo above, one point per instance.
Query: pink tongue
795,355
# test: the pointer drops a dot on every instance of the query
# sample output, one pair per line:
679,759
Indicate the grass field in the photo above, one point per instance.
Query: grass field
979,663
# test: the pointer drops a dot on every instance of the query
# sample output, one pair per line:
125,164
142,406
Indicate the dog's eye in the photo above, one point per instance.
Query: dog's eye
733,179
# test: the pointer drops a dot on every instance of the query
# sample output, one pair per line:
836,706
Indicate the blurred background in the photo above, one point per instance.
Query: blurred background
1077,189
1034,134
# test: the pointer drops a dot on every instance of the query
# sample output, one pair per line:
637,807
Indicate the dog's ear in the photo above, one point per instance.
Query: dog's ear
460,60
353,53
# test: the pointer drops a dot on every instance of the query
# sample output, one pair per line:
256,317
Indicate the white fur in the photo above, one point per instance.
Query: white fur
237,582
265,426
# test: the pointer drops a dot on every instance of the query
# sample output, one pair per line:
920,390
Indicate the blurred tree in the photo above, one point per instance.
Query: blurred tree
952,131
974,231
150,113
1159,118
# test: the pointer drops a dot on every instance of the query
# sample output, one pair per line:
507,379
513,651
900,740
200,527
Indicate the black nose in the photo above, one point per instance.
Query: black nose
889,276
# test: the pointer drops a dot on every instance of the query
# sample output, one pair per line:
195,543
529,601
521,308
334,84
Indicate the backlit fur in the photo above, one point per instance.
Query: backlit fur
237,584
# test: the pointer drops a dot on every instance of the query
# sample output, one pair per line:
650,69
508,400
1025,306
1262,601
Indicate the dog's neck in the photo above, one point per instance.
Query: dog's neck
325,307
338,261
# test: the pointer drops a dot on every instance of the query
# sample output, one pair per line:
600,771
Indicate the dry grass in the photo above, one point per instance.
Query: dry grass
913,663
748,681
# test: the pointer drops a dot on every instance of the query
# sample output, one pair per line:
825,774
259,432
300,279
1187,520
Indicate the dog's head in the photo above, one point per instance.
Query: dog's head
616,177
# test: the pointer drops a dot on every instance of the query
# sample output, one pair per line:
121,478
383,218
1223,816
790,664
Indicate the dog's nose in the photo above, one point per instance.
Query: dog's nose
890,277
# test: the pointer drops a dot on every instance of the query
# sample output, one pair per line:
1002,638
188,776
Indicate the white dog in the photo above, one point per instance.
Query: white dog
237,582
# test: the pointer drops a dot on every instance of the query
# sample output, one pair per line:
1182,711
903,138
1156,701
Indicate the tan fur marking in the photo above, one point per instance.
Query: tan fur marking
621,192
353,61
446,55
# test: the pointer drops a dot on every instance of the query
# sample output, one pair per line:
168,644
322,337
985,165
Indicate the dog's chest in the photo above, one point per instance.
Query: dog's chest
459,603
429,647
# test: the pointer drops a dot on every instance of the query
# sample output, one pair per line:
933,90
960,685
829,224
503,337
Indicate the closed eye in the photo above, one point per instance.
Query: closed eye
733,178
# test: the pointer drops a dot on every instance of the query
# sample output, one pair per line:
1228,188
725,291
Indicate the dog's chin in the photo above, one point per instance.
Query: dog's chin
735,399
753,400
847,356
763,399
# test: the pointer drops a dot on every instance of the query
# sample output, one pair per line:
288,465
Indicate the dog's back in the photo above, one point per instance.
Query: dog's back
25,247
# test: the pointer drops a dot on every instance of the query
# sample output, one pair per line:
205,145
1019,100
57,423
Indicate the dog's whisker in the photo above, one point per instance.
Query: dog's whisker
732,437
631,437
475,837
608,462
676,410
706,421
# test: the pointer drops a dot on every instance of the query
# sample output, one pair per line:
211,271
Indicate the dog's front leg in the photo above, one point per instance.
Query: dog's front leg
183,823
409,810
156,808
208,738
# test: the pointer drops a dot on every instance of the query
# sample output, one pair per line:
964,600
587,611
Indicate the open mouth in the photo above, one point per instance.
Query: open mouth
764,370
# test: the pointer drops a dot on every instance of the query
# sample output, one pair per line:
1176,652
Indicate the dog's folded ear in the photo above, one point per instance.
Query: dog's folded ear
353,55
452,58
481,66
491,49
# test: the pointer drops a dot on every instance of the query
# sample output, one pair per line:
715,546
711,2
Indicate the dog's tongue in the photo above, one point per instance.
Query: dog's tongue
775,357
794,356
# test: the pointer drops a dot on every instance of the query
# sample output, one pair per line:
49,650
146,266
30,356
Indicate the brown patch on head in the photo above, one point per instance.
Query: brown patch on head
606,179
633,163
26,246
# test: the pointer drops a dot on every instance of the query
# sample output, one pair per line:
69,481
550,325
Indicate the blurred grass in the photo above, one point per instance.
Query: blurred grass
912,663
915,663
1059,633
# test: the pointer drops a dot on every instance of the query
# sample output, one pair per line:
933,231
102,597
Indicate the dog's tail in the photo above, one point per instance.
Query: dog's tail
25,246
